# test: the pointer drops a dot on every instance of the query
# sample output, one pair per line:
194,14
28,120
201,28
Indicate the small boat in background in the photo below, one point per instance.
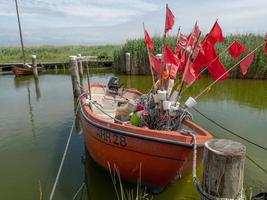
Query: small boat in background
160,156
25,70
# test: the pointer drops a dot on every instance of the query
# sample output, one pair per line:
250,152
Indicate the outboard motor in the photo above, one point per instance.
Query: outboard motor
114,85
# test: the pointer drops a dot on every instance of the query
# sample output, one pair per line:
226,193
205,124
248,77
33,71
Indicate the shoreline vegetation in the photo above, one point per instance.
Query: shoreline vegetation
140,62
139,56
49,53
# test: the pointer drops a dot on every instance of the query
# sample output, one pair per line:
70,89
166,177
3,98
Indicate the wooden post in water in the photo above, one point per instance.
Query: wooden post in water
34,67
128,63
223,168
75,76
80,64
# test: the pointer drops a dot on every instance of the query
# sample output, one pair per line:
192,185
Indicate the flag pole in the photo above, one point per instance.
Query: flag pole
151,70
20,33
218,56
187,65
207,88
162,48
178,33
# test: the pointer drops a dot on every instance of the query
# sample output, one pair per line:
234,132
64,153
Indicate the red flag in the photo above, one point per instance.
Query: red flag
209,51
171,61
216,34
169,57
217,70
244,64
236,49
155,63
182,41
265,47
190,75
200,62
148,41
192,38
169,19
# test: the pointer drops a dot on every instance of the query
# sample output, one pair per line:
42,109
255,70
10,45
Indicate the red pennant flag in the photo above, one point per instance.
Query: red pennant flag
244,64
171,61
265,47
169,57
209,51
217,70
148,41
216,34
192,38
200,62
169,19
182,41
190,75
236,49
155,63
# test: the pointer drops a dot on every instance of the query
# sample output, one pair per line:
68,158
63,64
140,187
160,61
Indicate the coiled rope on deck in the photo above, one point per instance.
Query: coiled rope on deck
229,131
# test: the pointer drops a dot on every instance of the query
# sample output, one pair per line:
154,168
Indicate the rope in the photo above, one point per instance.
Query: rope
205,195
229,131
65,152
78,191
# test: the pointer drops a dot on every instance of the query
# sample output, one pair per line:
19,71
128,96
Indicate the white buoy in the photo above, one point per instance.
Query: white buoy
190,102
162,94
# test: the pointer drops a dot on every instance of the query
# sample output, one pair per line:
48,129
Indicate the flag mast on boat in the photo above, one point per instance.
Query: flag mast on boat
20,33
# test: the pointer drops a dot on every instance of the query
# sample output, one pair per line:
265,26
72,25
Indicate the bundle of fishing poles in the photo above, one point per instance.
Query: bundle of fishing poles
174,72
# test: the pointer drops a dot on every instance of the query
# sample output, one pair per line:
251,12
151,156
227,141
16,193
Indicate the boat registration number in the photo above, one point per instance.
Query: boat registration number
111,138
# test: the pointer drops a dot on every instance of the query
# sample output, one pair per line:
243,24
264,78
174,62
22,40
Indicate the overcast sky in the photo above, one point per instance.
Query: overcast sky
92,22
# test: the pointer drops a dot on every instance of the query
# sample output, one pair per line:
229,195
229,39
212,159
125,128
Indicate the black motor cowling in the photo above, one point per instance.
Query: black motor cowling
114,84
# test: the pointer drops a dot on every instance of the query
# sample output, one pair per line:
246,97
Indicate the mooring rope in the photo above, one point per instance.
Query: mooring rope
229,131
205,195
65,151
78,191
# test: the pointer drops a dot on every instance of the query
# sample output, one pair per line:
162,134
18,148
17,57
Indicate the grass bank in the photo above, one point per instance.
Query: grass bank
139,58
54,53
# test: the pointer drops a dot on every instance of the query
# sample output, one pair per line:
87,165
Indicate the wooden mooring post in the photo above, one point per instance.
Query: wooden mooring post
128,63
75,76
80,64
223,170
34,67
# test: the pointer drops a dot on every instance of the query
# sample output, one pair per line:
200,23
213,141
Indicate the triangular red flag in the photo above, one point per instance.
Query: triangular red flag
169,20
190,75
155,63
217,70
148,41
209,51
182,41
216,34
244,64
265,47
171,61
169,57
192,38
236,49
200,62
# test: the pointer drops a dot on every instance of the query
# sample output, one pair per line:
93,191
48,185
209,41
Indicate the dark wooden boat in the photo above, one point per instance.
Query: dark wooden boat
161,156
21,71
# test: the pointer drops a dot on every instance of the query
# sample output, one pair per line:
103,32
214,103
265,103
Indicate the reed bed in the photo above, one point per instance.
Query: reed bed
140,62
54,53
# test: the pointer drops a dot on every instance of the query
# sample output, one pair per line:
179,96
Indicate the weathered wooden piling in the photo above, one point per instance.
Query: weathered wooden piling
128,63
34,67
223,168
80,64
75,76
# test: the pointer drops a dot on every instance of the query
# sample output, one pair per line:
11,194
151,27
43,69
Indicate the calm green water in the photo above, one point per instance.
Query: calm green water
35,122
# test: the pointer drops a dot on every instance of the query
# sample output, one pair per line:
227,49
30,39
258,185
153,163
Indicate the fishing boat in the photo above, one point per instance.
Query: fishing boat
21,71
158,156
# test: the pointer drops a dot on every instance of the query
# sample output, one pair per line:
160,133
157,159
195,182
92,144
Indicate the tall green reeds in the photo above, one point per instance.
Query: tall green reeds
140,62
54,53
